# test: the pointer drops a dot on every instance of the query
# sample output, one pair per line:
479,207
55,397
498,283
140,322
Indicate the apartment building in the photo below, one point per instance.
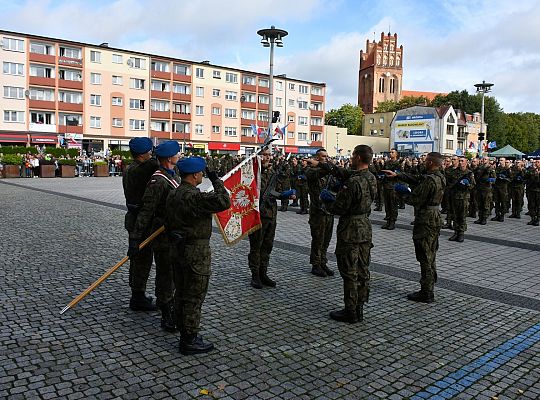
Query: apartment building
104,96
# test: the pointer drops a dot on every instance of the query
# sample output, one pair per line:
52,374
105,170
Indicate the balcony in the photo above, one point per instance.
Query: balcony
161,75
262,106
40,81
160,114
248,88
317,98
70,129
42,58
181,136
247,122
317,143
71,62
250,139
62,106
64,83
181,78
160,134
315,113
263,124
181,97
42,104
181,116
263,89
158,94
316,128
248,104
42,127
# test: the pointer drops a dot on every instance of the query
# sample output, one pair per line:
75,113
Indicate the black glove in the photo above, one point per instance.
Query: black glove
325,166
133,248
212,175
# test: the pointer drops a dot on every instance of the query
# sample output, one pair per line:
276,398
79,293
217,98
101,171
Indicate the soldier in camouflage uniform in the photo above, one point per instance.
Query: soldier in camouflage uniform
134,183
500,190
283,182
353,246
450,174
321,221
517,174
390,197
532,178
302,192
150,218
378,165
189,222
426,197
295,166
459,198
261,241
473,207
484,177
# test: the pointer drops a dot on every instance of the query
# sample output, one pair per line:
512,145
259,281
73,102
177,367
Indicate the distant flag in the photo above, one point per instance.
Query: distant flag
492,145
280,132
472,145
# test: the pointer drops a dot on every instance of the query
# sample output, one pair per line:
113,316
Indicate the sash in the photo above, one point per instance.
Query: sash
171,182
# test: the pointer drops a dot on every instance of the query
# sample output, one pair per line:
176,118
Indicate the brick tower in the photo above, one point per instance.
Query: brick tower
380,73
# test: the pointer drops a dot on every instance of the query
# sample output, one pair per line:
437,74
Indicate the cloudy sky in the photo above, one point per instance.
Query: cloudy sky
448,44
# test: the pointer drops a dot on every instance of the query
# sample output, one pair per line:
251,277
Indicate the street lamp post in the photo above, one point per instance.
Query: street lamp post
482,88
269,38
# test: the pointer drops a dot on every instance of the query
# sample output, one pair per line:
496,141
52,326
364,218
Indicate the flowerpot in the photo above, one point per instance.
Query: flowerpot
47,171
67,171
101,170
11,171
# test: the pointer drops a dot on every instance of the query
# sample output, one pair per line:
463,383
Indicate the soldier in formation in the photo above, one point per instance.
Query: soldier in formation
390,197
463,184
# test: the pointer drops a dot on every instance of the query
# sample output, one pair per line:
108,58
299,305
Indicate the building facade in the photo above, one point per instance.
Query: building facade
377,124
100,97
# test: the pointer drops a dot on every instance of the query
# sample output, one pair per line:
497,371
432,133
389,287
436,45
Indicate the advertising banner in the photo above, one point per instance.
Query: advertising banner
414,133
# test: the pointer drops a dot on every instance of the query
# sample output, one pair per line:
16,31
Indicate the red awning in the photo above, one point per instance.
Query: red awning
12,138
46,139
223,146
291,149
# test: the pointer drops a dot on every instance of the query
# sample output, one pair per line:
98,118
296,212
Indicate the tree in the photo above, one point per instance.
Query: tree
347,116
405,102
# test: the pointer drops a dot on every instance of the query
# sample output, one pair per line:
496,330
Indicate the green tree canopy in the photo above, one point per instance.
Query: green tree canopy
347,116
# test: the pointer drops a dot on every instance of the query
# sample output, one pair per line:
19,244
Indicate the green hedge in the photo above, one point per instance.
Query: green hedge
65,161
18,150
101,163
11,159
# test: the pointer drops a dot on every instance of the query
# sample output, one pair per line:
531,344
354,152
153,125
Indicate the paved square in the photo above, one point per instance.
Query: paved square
480,340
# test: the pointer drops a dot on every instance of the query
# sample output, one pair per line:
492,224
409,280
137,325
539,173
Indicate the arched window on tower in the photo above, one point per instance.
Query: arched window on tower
378,58
385,60
391,60
391,46
398,60
381,85
392,85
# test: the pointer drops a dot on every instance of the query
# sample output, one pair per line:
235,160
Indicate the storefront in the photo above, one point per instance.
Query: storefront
197,148
307,150
13,139
44,140
224,148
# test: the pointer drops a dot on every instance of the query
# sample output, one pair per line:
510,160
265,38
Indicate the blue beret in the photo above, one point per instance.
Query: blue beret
140,145
168,148
191,165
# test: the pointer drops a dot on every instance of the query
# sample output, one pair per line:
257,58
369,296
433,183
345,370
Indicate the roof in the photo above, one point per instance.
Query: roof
442,110
415,93
507,151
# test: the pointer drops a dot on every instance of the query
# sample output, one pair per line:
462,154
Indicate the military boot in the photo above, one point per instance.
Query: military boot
391,225
472,214
536,222
168,317
483,221
265,280
447,225
453,238
460,237
378,208
294,203
318,271
478,221
327,270
194,344
345,315
140,302
496,218
422,296
513,216
256,279
360,312
301,211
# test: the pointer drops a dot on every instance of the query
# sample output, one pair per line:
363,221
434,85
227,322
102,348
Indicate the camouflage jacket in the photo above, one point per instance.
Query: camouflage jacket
388,182
533,180
317,180
458,190
518,177
267,201
481,175
503,176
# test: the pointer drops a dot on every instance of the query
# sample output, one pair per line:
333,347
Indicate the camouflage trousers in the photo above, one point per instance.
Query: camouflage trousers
390,204
192,271
517,193
426,251
500,198
473,206
261,243
139,269
533,203
483,200
460,211
353,265
303,196
321,226
164,275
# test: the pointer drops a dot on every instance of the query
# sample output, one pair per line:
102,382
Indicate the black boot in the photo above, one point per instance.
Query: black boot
460,237
391,225
194,344
421,296
294,204
513,216
360,312
140,302
327,270
265,280
378,208
318,271
301,211
256,279
478,221
453,238
536,222
447,225
472,215
483,221
495,218
168,317
345,315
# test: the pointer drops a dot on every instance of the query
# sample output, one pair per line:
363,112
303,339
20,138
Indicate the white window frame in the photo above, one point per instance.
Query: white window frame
137,63
134,102
10,68
216,74
117,80
95,78
95,122
117,122
303,121
14,116
95,100
199,73
13,92
216,92
137,83
231,95
13,44
230,113
41,94
231,77
216,129
303,89
136,124
199,91
117,59
216,111
230,131
199,110
199,129
302,136
95,56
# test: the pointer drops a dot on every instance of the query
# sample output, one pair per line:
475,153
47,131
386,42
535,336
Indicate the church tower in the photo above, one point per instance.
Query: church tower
380,73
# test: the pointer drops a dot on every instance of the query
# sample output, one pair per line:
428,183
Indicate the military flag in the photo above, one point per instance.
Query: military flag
243,217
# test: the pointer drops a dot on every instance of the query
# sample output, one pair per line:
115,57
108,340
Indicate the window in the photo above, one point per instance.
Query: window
248,114
216,111
95,56
136,83
450,130
302,136
291,86
13,44
290,118
160,66
42,94
250,97
381,85
182,89
181,127
95,100
69,75
71,119
315,137
181,69
302,89
161,86
278,101
316,90
70,52
230,131
136,124
160,126
182,108
117,122
303,105
117,101
216,129
262,116
230,113
41,71
216,74
216,92
95,122
291,103
41,48
279,85
247,132
12,92
231,78
302,120
316,121
263,99
95,78
136,62
371,120
70,97
199,73
136,104
199,91
290,135
117,59
248,80
316,106
450,144
381,120
264,83
13,68
13,116
37,117
199,129
230,95
157,105
392,85
199,110
117,80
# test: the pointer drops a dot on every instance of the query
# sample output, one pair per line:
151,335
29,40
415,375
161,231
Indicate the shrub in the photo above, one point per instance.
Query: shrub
12,159
73,152
56,151
67,161
101,163
18,150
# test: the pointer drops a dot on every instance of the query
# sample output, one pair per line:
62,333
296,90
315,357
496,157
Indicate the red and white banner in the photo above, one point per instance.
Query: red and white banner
243,216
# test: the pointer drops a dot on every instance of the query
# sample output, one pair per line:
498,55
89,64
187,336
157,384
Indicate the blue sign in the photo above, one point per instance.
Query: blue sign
417,133
414,117
307,150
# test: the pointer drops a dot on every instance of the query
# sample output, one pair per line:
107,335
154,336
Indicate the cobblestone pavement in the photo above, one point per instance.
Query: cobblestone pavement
480,340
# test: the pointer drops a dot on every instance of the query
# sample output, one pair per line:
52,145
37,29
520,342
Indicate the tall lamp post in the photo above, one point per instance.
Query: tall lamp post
269,38
482,88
